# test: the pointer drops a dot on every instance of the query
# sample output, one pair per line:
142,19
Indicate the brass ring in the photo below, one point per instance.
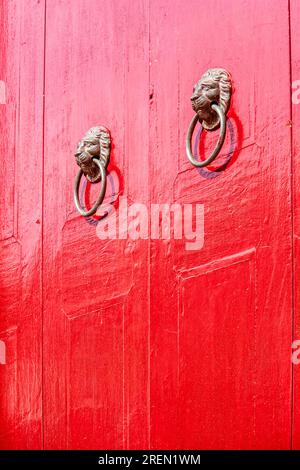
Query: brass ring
215,152
101,195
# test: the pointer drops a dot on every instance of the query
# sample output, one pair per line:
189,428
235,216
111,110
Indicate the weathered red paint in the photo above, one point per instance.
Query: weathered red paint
21,150
224,353
295,174
143,344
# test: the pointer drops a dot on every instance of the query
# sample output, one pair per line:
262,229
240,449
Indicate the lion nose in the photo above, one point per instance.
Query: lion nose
193,98
83,156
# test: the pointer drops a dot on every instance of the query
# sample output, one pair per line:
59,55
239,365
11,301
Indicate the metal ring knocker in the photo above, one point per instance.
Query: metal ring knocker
210,100
101,194
92,156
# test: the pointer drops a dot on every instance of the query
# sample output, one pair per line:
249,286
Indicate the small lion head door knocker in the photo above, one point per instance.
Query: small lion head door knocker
210,101
92,156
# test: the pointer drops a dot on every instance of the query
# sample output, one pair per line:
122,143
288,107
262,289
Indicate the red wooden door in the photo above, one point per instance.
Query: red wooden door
138,342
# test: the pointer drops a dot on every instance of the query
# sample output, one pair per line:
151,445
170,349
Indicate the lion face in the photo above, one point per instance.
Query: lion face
95,143
86,150
213,87
90,146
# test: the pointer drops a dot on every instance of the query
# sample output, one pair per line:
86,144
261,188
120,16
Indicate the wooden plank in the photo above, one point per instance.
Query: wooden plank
220,342
295,118
95,291
21,149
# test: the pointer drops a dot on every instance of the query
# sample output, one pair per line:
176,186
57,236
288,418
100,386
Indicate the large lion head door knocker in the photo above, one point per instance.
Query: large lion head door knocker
210,101
92,156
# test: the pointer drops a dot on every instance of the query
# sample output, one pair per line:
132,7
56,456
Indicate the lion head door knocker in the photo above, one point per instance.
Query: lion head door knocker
210,101
92,156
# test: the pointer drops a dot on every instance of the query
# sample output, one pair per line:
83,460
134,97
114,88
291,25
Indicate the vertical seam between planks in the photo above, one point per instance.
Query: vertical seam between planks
43,210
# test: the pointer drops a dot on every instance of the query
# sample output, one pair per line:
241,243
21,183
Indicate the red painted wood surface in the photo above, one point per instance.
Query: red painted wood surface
295,119
144,344
221,317
96,315
21,150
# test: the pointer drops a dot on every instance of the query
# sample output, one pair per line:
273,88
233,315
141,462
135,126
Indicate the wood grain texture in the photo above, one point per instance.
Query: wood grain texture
141,343
295,120
247,207
95,291
21,149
